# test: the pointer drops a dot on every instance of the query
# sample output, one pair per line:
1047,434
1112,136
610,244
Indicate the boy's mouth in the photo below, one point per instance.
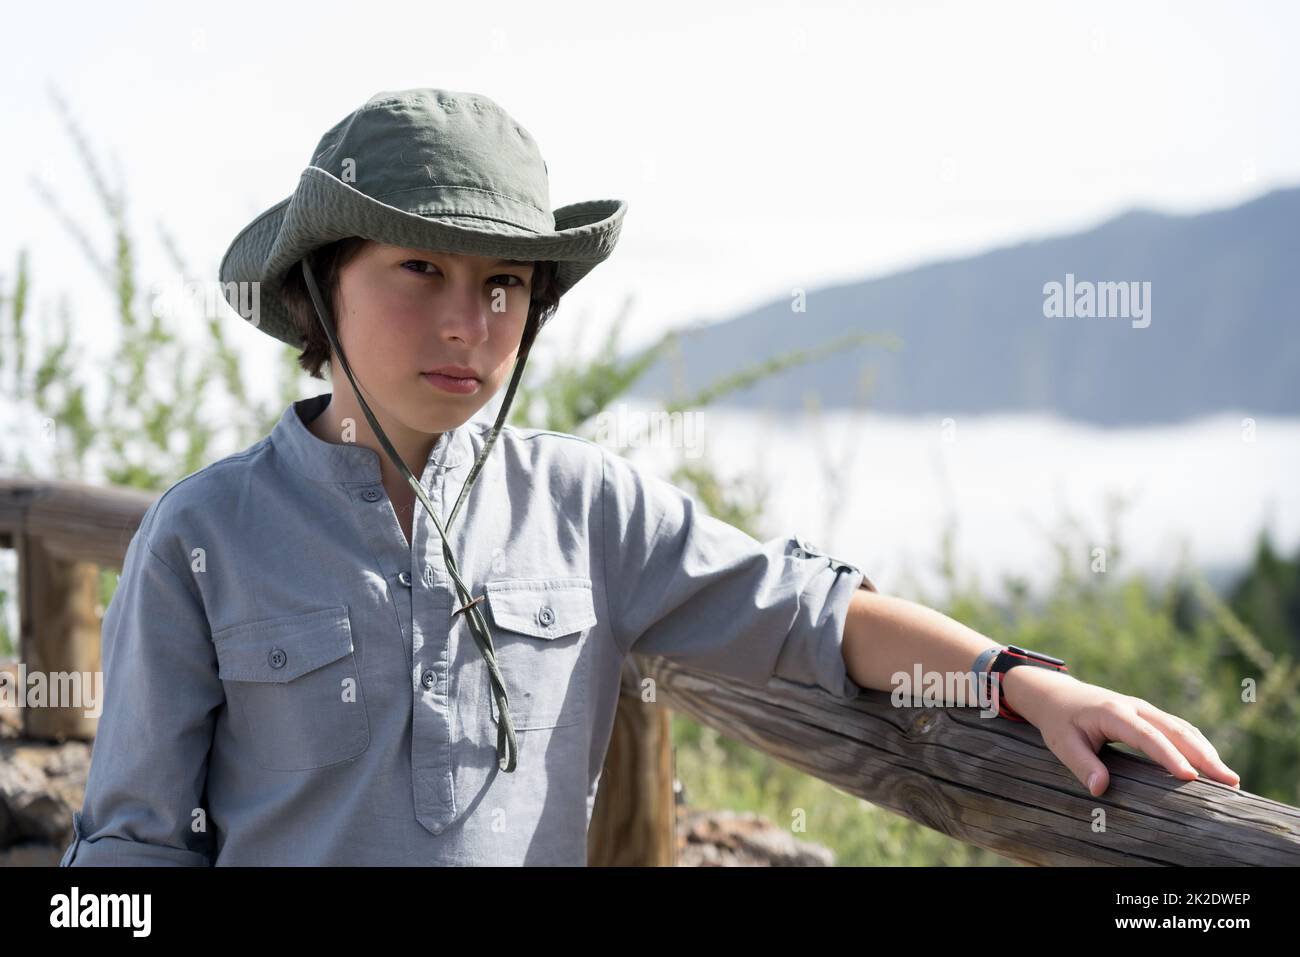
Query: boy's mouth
458,384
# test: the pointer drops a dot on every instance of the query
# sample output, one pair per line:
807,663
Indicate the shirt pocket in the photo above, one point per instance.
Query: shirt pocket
539,629
293,687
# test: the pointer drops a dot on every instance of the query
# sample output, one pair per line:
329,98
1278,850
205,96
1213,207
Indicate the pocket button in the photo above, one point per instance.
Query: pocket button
546,616
277,658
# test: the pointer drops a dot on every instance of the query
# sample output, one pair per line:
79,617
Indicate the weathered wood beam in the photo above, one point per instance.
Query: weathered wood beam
989,782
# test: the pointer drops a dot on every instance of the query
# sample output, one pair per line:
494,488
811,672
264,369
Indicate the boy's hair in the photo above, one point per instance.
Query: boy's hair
326,264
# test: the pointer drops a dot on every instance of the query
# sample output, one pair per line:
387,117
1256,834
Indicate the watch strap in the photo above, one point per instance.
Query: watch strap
993,663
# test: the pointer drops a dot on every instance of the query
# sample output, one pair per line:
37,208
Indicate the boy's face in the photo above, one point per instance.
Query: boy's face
404,312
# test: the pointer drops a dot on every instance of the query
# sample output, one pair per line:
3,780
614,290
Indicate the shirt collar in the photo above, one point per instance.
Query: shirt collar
342,462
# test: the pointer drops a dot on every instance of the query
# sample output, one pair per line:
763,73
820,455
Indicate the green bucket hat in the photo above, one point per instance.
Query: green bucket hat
424,168
427,169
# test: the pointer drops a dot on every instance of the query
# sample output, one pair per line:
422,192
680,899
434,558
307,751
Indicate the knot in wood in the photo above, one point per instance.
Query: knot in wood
923,723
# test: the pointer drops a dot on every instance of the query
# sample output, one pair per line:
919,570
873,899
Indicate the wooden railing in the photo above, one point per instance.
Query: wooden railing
991,783
63,532
988,782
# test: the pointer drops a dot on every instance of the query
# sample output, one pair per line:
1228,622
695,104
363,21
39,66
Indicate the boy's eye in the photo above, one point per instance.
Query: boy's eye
421,262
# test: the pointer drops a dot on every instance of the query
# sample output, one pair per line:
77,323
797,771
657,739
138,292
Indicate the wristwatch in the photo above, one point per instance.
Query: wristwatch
1003,660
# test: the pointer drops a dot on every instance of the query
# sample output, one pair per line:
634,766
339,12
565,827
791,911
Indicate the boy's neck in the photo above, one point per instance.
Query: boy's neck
414,447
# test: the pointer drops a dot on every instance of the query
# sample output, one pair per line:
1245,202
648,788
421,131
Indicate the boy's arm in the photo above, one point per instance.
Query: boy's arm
885,635
148,767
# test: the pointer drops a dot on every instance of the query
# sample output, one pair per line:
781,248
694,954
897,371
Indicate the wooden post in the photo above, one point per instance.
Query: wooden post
634,822
58,641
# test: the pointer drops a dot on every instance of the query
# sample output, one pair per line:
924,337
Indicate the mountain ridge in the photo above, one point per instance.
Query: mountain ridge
976,340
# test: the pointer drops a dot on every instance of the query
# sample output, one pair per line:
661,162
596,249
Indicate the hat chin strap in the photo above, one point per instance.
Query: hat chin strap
507,747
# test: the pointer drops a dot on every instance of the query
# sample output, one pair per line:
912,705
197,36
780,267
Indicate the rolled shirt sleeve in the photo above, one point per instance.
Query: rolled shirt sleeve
691,588
161,694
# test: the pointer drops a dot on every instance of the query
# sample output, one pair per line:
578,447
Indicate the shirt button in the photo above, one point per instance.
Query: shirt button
404,578
546,616
427,679
428,575
277,658
372,494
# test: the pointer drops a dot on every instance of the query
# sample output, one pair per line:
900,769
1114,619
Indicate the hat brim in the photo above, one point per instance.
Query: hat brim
324,208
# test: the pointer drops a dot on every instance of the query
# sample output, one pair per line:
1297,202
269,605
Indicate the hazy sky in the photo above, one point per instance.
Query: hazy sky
761,147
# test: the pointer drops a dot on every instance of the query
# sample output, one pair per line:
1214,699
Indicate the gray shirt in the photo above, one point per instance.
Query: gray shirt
285,682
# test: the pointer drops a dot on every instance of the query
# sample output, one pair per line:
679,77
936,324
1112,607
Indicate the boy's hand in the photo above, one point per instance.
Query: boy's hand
1076,719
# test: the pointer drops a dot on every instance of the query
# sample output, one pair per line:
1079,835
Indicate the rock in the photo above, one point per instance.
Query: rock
730,839
41,784
33,855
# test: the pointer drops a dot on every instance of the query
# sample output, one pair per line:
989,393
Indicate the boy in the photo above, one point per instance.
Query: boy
299,672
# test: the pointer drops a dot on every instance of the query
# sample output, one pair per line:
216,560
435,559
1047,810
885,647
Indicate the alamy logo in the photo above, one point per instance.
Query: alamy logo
1101,300
102,910
53,689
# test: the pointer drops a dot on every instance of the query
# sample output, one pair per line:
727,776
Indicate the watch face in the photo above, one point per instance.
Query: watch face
1036,657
